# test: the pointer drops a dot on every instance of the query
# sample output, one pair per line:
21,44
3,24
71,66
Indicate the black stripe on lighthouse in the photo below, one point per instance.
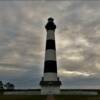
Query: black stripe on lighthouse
50,44
50,66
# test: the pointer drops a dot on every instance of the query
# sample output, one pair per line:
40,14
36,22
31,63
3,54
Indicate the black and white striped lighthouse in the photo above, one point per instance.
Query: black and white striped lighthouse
50,83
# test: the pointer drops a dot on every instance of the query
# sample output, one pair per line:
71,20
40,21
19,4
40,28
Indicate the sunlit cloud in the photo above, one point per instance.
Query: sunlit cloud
98,66
82,41
11,69
75,58
74,73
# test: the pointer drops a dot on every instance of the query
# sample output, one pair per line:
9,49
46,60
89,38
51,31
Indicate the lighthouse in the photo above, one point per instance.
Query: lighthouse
50,83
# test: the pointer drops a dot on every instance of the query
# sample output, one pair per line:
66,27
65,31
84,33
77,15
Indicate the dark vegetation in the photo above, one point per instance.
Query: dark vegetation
43,97
7,86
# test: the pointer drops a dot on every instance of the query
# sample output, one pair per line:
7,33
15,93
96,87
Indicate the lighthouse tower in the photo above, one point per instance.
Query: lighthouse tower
50,83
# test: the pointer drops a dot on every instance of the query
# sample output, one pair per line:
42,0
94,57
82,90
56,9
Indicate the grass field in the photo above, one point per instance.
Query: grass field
75,97
22,97
39,97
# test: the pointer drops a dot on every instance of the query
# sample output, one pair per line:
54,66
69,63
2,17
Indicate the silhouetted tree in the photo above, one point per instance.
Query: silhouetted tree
9,86
1,88
1,85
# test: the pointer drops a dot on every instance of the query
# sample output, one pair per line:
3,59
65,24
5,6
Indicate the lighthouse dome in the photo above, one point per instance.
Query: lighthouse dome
50,24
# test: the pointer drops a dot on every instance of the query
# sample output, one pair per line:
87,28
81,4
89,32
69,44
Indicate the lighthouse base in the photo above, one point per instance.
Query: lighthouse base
50,87
47,90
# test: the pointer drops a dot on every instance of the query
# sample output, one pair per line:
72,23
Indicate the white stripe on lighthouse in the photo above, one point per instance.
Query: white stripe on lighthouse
50,76
50,35
50,55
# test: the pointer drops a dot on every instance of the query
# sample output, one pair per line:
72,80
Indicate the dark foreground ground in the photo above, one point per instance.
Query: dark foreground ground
39,97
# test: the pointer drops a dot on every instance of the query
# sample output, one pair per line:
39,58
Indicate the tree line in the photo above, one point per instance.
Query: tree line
7,86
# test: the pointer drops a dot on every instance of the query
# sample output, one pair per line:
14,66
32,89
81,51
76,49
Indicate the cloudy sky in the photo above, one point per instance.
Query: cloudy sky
22,42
